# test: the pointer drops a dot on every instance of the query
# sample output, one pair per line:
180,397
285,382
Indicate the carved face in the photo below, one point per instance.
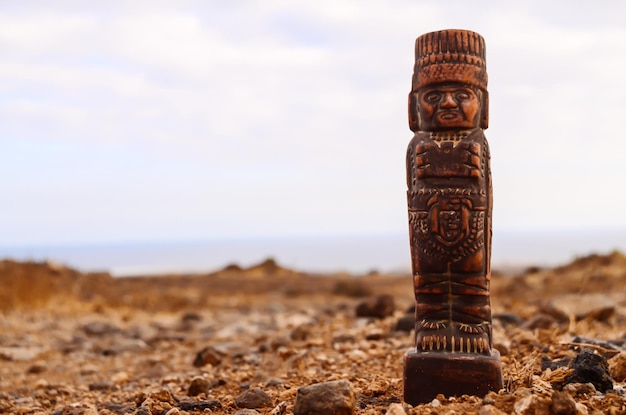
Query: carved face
447,107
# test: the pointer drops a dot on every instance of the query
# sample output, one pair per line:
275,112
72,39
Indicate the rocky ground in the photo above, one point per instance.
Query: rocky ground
267,340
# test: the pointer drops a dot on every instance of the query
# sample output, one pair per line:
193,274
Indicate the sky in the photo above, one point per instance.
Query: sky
146,120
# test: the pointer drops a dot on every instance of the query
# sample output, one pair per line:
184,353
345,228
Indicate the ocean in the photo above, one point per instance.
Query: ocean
512,250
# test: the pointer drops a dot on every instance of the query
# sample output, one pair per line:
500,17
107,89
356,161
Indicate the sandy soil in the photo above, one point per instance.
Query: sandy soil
73,343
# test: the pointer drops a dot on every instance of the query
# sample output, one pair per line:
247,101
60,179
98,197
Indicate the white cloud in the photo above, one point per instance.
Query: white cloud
294,112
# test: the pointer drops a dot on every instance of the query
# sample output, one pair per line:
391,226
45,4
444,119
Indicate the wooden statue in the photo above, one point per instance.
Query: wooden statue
449,204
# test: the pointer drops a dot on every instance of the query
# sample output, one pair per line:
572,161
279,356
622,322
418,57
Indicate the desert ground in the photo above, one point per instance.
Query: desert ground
251,341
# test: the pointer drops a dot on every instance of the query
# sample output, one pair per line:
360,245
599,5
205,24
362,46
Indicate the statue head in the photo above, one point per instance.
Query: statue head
449,90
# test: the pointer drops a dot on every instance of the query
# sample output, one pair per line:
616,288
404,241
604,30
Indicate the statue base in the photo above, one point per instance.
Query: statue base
427,374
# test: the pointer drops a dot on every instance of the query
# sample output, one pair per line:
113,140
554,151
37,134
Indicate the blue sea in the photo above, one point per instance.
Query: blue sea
512,250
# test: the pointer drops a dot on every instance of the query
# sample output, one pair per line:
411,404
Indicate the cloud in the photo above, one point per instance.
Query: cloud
293,113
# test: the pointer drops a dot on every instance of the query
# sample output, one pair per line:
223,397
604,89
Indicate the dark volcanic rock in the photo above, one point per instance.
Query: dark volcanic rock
588,366
328,398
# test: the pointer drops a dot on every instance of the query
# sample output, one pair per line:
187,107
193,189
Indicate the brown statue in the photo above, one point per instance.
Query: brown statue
449,204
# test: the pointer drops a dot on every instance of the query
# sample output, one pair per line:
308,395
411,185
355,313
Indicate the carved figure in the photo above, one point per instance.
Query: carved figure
449,206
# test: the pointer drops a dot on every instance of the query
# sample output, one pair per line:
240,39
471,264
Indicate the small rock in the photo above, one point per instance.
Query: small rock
89,369
379,307
489,398
247,411
396,409
557,313
253,398
580,389
199,405
591,368
119,408
581,409
327,398
121,346
596,342
617,367
540,321
301,332
524,406
405,323
120,377
37,367
562,404
100,386
601,314
375,335
435,403
142,411
274,382
280,409
508,319
20,354
588,366
208,355
490,410
163,395
191,317
199,385
100,328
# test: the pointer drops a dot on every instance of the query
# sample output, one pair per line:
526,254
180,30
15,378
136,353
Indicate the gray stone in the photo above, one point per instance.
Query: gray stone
327,398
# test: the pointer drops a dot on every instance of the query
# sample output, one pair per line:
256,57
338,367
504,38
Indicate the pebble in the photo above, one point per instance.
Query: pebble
274,382
602,314
562,404
617,367
206,356
199,405
378,307
143,411
301,333
247,411
396,409
37,367
327,398
490,410
580,389
540,321
100,328
253,398
120,377
405,323
525,406
100,386
20,354
508,319
199,385
280,409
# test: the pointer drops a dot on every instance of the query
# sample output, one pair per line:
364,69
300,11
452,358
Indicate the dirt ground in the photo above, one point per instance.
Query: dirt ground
245,340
